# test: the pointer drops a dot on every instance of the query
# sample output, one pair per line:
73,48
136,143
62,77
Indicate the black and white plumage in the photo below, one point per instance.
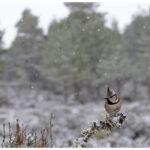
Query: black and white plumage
113,103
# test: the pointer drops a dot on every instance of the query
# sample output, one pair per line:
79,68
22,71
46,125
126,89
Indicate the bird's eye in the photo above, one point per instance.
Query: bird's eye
114,96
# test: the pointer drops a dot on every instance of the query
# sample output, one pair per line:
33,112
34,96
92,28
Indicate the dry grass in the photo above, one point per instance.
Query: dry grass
21,137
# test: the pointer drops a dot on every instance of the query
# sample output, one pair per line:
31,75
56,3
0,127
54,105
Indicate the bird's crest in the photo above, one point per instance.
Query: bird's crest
110,92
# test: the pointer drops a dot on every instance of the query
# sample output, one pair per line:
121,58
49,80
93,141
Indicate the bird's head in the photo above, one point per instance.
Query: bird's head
111,95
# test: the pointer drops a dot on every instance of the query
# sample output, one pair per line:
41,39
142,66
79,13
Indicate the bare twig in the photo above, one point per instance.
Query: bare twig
4,136
51,133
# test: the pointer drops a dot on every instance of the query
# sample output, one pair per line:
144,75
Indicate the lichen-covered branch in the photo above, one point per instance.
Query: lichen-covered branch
102,129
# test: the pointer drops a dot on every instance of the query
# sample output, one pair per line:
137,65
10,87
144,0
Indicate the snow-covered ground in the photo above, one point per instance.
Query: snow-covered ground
33,107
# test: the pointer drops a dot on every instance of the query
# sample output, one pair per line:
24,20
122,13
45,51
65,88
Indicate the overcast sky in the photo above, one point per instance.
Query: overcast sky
10,13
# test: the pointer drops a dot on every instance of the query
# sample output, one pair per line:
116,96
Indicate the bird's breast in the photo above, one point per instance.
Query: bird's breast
113,108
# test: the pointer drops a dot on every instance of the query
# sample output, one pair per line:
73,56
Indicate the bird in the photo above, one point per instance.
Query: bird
113,102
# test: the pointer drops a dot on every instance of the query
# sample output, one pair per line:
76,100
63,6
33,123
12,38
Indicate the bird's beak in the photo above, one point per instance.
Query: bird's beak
106,98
